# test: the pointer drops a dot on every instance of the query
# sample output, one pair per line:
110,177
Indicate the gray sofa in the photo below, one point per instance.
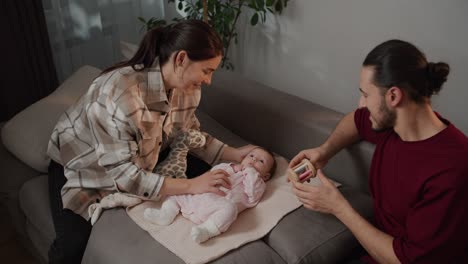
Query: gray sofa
234,110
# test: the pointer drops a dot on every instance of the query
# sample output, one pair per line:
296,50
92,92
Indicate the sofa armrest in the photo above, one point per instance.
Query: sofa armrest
14,173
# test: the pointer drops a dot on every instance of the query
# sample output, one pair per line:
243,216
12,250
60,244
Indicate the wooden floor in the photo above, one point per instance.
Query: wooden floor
11,251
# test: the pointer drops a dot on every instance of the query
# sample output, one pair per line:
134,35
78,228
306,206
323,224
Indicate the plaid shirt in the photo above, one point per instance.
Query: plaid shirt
110,139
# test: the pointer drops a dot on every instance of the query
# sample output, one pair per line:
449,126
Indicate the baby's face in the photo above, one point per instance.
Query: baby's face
261,161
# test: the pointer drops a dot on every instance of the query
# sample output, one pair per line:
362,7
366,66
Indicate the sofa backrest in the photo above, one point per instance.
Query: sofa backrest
283,123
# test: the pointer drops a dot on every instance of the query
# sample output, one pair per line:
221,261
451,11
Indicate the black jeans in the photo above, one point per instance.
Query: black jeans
73,231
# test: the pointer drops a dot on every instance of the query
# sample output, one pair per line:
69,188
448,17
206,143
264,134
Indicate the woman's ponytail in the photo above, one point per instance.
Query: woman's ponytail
197,38
147,51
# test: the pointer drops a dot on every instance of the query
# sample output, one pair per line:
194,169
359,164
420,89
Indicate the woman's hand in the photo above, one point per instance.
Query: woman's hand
210,181
237,154
243,151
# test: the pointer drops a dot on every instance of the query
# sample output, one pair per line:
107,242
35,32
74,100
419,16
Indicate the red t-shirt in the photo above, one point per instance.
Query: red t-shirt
420,192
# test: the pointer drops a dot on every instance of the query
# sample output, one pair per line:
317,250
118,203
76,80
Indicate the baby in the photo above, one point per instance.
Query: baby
213,213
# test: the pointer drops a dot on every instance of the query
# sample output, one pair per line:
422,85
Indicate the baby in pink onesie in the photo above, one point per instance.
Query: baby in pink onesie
213,213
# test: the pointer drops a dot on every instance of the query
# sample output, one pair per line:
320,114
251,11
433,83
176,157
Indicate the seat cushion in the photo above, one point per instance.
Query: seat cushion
34,201
115,238
211,126
306,236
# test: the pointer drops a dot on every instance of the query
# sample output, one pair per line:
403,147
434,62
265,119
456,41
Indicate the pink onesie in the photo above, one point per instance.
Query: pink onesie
246,191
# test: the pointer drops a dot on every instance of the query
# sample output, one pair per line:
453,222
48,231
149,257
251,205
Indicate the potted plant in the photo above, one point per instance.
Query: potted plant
223,16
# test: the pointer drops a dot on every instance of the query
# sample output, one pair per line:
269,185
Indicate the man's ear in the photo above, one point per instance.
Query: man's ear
394,96
181,58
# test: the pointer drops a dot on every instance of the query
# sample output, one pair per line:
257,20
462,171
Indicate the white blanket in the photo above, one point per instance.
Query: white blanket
252,224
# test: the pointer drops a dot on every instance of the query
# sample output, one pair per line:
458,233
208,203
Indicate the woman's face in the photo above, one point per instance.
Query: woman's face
192,74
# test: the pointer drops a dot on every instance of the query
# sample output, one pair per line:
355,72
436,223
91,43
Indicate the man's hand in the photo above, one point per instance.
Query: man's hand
324,198
316,156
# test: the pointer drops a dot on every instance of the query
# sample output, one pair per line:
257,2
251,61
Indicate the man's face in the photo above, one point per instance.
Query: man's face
372,98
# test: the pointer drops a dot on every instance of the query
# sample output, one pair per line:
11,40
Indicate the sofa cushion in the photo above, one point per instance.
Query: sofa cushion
34,201
27,134
115,238
211,126
40,244
306,236
12,166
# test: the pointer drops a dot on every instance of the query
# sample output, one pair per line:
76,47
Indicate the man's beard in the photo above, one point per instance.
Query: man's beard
387,119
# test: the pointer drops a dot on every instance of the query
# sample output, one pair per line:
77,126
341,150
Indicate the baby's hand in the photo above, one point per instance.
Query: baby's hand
236,167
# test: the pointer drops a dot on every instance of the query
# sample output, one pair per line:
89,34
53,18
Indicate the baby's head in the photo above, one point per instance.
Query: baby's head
262,161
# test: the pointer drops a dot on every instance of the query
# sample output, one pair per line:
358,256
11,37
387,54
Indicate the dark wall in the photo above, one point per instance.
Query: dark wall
27,71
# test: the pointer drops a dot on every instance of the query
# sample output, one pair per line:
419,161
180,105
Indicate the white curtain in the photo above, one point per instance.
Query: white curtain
88,32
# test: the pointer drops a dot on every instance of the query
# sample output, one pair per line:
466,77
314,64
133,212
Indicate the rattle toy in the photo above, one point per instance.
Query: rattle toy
301,171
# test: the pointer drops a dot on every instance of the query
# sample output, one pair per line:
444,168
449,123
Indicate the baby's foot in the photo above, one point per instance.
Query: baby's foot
199,234
203,232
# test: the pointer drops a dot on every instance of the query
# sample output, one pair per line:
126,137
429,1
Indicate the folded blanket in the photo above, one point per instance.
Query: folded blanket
252,224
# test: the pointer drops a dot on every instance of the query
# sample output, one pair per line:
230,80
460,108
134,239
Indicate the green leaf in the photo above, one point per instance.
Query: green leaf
222,16
260,4
254,19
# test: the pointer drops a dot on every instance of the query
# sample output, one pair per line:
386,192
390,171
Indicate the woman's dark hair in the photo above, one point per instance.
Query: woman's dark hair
197,38
399,63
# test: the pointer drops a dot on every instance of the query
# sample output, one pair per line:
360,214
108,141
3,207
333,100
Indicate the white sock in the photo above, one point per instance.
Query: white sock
204,231
163,216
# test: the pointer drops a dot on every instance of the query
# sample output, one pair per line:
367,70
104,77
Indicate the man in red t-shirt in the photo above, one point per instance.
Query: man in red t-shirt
419,172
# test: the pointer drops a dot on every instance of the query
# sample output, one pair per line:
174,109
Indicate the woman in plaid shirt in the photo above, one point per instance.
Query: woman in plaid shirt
110,140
